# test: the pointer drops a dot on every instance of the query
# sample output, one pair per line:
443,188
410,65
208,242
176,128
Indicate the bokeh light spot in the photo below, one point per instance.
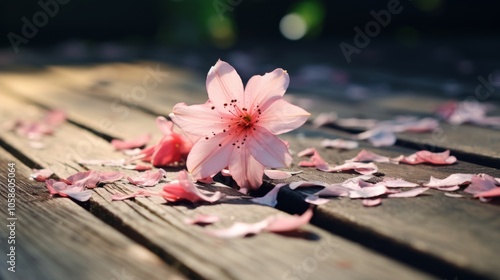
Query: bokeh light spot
293,27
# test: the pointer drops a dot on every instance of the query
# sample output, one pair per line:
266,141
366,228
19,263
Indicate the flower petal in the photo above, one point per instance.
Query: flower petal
245,169
282,117
224,85
264,90
209,156
199,120
268,149
271,198
412,193
131,144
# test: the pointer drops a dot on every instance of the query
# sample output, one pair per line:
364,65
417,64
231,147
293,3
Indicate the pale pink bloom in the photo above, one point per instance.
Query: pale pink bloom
237,127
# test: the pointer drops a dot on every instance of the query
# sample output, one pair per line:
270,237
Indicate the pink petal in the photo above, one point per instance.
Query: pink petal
202,219
356,123
449,189
367,156
207,157
184,189
361,168
275,223
454,195
165,126
490,193
282,117
110,176
325,119
306,164
306,152
379,137
481,183
270,199
456,179
371,202
79,195
429,157
148,178
40,175
266,89
239,230
333,190
339,144
208,180
79,176
49,184
268,149
131,144
137,167
316,200
245,169
285,223
368,192
411,193
398,183
188,118
224,85
279,174
299,184
144,193
54,117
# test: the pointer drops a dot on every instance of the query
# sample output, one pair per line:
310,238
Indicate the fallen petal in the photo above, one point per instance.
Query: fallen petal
491,193
138,142
449,189
368,192
285,223
270,199
184,189
411,193
481,183
367,156
429,157
40,175
398,183
307,152
316,200
456,179
339,144
454,195
371,202
148,178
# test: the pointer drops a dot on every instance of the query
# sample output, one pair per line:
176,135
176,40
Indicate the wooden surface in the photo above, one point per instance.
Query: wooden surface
424,237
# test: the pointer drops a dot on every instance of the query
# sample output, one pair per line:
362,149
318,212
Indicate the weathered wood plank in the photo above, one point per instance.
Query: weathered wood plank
160,227
117,83
461,232
57,239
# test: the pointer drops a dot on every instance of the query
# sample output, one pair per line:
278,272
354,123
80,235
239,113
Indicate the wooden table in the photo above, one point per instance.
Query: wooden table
430,236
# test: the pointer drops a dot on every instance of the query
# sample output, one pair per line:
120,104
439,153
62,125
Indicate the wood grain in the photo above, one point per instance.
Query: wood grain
58,239
462,232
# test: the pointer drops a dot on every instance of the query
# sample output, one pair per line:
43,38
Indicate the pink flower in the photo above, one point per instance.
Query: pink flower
237,127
